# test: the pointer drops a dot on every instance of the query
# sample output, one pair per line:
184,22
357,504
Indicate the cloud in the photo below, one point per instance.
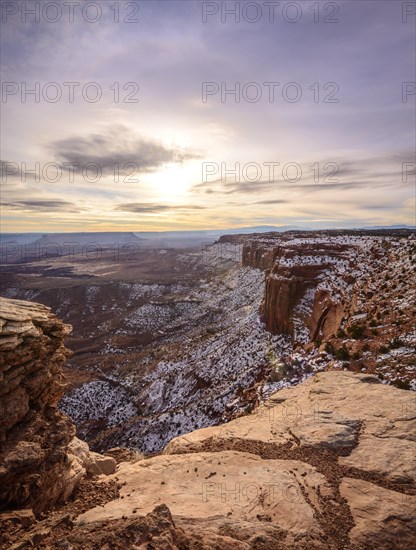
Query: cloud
384,171
271,201
152,208
43,205
118,148
228,188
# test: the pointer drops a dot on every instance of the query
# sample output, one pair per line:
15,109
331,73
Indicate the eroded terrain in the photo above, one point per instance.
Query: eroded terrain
168,341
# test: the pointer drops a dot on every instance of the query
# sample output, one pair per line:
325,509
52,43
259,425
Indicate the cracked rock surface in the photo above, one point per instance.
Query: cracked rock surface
326,464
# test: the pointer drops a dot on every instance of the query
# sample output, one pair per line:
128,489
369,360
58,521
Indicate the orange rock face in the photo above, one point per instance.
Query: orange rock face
34,434
294,268
315,280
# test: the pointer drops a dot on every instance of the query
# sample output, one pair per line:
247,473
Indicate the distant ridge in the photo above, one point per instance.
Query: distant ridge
389,227
146,234
159,239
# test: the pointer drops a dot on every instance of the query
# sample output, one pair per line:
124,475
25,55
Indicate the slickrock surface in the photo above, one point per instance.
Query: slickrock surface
326,464
383,519
40,461
332,410
231,484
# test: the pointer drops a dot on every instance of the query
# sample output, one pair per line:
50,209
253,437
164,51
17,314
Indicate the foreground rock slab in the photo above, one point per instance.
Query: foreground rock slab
332,410
326,464
229,484
384,519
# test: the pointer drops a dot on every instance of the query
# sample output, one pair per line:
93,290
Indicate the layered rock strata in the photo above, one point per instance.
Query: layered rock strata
40,461
318,283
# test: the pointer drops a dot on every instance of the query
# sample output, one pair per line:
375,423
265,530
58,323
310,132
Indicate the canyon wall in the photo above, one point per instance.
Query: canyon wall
344,294
41,461
296,302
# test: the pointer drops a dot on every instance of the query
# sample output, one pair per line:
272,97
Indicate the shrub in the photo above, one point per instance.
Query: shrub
285,369
396,343
137,456
274,376
401,384
342,353
329,348
356,331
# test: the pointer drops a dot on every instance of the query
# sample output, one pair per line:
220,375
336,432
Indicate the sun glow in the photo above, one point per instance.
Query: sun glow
173,182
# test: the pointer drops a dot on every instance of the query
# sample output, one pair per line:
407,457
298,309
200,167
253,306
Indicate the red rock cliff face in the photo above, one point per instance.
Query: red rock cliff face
35,469
260,253
296,302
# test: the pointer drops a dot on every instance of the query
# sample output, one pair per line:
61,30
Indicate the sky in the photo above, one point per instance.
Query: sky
166,115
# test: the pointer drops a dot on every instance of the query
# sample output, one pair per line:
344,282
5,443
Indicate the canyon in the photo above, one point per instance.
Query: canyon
328,463
273,411
167,341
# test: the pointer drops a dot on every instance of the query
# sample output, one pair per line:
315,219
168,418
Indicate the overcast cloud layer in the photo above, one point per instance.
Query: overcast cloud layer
328,141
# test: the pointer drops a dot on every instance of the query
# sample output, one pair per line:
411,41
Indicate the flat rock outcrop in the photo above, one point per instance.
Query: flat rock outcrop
326,464
40,460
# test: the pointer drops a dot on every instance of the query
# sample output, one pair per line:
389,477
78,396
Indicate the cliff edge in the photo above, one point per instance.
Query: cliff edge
41,461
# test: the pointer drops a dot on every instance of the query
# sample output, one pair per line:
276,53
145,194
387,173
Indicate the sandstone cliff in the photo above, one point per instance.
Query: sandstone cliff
294,267
320,284
40,460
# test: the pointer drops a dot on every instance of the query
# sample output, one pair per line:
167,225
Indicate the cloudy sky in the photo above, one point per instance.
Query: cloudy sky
162,115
